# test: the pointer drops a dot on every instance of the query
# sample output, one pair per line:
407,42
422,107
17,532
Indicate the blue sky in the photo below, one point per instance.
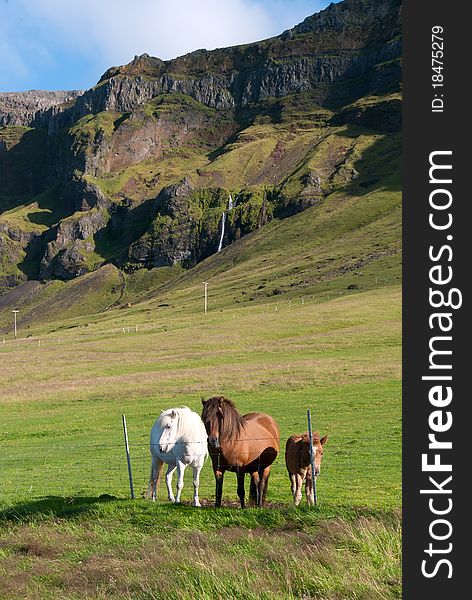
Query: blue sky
68,44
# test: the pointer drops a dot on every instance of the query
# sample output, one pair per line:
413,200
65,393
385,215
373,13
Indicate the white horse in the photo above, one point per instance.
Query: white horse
179,439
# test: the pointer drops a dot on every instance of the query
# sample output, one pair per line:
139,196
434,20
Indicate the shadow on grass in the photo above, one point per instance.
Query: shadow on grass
164,516
53,506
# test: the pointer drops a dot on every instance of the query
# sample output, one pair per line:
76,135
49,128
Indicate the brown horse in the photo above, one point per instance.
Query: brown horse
242,444
297,460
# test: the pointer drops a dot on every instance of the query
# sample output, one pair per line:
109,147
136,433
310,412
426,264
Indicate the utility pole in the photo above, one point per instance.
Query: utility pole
15,312
205,283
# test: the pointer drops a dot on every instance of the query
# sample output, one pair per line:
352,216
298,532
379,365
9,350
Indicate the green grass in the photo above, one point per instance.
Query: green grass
340,358
11,253
62,535
89,126
103,548
177,104
169,169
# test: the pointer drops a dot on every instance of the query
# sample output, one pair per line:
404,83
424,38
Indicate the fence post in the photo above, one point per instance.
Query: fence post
312,458
128,458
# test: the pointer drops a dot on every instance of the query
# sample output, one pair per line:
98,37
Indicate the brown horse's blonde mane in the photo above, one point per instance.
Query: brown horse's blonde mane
305,438
232,421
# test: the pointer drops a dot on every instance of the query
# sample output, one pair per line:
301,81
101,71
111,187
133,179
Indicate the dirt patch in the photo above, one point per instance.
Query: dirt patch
31,544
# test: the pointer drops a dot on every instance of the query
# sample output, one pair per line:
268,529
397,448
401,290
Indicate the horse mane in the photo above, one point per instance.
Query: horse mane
305,438
189,425
232,422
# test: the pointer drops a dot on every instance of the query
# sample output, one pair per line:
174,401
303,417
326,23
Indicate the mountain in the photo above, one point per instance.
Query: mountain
25,108
163,162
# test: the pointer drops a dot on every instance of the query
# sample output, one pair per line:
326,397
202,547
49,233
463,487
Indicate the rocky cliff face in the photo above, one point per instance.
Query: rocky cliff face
353,40
25,108
237,89
139,170
68,255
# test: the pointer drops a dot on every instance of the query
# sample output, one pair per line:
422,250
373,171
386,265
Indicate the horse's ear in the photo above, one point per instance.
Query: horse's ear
203,401
324,440
173,414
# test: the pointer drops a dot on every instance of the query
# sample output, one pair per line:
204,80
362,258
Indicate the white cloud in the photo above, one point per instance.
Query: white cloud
119,29
72,42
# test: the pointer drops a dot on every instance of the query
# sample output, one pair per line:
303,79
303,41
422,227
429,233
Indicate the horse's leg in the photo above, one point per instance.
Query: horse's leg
293,485
196,483
219,475
263,485
170,471
310,495
298,493
255,488
180,482
241,492
252,493
151,491
156,467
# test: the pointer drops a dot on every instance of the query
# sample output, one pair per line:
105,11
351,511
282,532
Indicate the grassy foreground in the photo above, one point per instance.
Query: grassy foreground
104,548
66,528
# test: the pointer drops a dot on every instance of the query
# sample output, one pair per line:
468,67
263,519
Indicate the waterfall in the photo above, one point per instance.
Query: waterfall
223,223
231,205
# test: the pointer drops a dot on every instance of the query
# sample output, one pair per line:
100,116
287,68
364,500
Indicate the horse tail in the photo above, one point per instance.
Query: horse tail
156,470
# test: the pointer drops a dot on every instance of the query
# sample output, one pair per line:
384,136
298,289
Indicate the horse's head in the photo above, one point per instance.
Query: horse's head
318,450
212,417
222,420
169,422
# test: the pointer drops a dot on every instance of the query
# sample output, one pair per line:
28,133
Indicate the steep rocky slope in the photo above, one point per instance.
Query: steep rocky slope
25,108
162,163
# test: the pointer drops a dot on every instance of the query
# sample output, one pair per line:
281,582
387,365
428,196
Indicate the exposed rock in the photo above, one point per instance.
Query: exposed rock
173,234
24,108
312,182
355,41
17,235
23,161
67,255
82,195
186,224
264,215
151,131
241,88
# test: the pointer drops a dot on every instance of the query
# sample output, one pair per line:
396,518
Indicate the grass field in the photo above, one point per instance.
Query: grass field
66,528
303,313
339,358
